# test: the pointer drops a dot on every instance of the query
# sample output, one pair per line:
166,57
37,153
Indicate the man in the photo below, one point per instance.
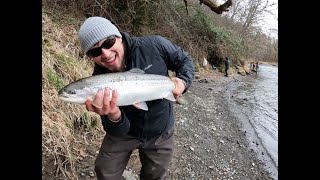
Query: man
128,128
226,66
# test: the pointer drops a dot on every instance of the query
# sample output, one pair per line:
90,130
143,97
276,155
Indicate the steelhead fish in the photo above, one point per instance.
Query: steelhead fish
134,88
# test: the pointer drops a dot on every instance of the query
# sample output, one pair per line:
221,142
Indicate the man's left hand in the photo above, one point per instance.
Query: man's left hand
179,86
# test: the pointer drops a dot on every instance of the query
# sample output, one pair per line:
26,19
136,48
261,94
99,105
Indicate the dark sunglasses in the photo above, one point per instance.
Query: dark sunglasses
107,44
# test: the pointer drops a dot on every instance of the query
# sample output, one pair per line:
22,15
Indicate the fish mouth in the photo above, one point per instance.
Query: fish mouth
72,100
63,96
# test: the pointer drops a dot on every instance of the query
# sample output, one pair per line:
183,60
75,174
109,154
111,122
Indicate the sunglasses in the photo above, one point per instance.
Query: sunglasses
107,44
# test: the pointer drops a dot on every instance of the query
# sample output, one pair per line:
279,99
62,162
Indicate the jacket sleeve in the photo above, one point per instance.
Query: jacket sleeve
178,60
119,128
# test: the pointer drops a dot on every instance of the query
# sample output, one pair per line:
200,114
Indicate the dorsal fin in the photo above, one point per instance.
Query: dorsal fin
136,70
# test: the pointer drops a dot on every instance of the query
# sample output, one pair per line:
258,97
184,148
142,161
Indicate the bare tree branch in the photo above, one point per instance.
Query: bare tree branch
214,6
186,3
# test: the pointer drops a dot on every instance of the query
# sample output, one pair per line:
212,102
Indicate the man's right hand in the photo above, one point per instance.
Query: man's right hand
103,104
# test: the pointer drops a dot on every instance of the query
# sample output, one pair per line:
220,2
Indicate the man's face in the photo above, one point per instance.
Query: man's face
112,57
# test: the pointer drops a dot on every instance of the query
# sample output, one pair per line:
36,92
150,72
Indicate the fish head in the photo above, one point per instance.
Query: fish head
76,93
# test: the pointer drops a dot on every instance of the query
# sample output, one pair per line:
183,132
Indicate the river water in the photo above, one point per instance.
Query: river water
254,101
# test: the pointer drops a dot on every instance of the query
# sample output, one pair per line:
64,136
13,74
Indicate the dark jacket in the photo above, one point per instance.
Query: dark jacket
226,63
154,55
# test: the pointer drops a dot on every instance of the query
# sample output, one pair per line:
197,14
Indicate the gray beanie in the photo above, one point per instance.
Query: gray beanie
94,29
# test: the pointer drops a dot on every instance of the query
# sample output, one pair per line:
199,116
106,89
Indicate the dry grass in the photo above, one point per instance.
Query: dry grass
65,127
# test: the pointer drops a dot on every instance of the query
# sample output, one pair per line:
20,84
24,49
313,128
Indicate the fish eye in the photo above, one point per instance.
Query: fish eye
72,92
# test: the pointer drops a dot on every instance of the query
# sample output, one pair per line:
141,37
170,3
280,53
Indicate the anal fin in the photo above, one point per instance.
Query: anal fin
141,105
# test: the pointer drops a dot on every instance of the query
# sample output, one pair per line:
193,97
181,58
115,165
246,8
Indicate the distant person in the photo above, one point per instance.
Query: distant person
226,66
128,128
256,67
253,66
213,67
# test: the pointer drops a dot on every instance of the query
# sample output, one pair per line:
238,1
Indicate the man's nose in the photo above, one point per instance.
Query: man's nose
105,52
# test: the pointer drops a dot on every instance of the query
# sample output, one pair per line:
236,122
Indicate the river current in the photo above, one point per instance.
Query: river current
254,101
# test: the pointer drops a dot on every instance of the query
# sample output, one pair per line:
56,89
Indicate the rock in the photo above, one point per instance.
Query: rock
180,100
128,175
91,174
241,71
203,81
191,148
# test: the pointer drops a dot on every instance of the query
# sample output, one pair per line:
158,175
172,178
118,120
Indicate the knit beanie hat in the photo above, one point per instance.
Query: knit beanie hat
94,29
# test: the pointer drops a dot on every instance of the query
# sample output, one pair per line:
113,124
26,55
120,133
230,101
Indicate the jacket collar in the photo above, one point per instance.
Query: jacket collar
128,45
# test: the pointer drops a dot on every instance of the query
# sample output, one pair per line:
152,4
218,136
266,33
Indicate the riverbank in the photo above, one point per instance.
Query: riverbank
210,143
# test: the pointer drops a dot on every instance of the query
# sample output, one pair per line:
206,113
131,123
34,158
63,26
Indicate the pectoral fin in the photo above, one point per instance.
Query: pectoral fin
170,97
141,105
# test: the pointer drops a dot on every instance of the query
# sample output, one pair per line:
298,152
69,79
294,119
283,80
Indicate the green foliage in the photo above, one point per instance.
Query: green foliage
214,36
69,68
203,25
86,122
239,48
140,17
234,45
196,67
65,60
165,17
54,79
140,14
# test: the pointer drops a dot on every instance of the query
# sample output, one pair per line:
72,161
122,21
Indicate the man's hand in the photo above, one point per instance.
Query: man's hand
179,86
103,104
